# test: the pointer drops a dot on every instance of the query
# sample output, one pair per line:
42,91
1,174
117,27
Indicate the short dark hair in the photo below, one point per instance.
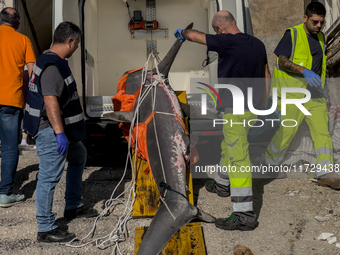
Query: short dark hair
12,19
315,8
64,31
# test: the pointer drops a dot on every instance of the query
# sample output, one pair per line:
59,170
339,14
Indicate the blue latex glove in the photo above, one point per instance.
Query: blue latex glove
312,78
62,143
178,34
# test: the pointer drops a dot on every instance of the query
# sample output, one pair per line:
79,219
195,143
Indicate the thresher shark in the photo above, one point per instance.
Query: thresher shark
158,127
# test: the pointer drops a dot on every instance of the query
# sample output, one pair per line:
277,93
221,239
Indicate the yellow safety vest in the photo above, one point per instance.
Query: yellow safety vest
302,56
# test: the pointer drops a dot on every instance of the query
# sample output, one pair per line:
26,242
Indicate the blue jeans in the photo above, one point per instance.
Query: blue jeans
51,166
9,135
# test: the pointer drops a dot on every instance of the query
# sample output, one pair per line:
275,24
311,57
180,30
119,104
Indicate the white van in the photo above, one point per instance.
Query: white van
118,35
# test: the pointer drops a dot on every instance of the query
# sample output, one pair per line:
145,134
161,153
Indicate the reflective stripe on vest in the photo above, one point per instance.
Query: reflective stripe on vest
32,111
69,80
74,119
37,70
294,38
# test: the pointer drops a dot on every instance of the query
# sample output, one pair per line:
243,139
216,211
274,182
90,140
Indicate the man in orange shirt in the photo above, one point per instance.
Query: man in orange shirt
15,51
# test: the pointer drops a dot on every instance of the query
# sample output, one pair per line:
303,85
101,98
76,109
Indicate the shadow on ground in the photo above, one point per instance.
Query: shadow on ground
24,175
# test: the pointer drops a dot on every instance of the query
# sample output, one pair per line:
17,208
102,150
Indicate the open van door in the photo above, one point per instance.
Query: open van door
240,10
119,35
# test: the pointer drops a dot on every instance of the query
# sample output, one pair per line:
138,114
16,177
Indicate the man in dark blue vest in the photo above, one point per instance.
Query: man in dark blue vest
53,115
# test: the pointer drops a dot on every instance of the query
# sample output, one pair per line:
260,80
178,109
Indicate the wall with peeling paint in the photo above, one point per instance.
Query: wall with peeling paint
271,19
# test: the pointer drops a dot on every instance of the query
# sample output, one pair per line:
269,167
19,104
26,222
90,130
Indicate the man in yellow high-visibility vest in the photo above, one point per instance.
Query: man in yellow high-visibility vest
301,63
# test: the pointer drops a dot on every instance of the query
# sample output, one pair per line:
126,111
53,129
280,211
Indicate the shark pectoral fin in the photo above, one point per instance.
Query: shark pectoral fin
195,112
119,116
203,216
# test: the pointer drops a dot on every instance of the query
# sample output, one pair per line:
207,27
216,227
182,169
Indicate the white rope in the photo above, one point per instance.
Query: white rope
120,233
156,136
154,84
167,113
173,216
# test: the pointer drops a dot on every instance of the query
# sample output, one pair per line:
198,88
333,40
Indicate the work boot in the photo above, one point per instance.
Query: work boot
10,200
331,180
80,212
236,222
55,235
221,190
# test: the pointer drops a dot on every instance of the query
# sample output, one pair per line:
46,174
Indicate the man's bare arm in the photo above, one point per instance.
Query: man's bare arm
288,65
194,36
333,50
266,90
53,113
30,68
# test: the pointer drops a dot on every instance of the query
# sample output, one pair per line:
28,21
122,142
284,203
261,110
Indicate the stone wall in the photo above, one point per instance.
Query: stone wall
271,19
5,3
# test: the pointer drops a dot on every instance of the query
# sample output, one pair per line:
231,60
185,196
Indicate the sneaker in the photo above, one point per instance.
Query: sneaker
23,142
55,235
80,212
10,200
219,189
234,222
331,180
